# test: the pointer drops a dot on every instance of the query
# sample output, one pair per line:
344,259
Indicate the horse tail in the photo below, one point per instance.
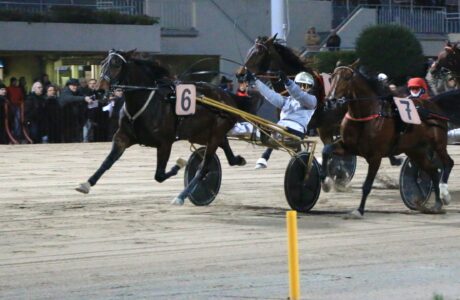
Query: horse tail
449,103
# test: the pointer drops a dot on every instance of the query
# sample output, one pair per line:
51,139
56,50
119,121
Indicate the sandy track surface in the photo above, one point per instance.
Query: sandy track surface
125,241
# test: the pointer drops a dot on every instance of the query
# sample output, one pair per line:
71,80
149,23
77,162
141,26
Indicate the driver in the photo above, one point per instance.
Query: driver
418,88
296,109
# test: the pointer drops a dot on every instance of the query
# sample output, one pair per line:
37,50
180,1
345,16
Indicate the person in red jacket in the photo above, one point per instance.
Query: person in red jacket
418,88
16,98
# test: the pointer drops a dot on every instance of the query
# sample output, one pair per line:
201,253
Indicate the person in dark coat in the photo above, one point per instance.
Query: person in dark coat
54,115
3,135
333,41
73,104
35,115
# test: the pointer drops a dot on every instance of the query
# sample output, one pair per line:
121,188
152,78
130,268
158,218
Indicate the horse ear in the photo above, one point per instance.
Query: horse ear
448,44
272,39
130,53
355,64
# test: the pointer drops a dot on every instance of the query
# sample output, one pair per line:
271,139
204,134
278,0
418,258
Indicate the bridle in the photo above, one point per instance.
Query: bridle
105,65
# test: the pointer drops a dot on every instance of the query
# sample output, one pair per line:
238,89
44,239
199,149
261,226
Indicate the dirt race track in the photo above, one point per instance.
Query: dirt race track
125,241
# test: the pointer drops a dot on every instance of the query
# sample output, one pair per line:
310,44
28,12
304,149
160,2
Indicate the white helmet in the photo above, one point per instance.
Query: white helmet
382,77
304,77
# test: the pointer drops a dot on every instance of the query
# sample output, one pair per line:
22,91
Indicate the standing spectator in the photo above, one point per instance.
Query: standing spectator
312,40
35,116
3,137
226,84
45,80
16,98
23,85
96,122
114,107
73,103
333,41
53,114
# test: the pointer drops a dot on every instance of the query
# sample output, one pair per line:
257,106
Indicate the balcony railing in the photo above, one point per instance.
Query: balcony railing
129,7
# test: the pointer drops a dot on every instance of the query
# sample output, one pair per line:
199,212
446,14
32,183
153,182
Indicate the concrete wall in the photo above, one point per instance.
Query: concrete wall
28,66
217,33
22,36
363,18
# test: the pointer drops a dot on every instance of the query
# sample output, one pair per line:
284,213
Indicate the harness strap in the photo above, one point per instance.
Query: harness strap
368,118
133,118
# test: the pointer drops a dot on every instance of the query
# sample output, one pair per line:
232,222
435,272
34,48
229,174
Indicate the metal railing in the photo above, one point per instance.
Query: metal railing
452,22
129,7
176,14
419,19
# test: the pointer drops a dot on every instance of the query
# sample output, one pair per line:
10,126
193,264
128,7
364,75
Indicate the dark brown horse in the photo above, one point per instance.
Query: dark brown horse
148,118
365,132
448,59
267,57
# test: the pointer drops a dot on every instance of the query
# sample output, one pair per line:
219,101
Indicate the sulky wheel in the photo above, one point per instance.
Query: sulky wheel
341,168
302,191
415,185
206,189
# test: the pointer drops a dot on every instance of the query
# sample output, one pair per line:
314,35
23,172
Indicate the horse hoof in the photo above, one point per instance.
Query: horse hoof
396,161
178,201
342,188
180,162
241,161
327,184
354,215
436,210
444,193
261,163
83,188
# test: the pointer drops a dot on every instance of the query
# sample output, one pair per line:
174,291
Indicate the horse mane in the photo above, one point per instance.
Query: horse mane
155,68
376,86
291,57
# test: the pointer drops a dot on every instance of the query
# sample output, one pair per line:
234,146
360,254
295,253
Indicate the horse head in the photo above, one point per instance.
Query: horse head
448,58
343,81
258,59
125,68
112,68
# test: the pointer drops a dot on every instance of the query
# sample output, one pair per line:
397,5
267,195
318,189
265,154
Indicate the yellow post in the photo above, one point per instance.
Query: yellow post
293,255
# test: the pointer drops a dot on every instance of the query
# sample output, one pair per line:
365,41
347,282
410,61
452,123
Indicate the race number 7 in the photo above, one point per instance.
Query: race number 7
185,99
408,106
407,111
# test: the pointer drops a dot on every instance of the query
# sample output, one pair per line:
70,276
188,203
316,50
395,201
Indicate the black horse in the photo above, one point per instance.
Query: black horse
148,118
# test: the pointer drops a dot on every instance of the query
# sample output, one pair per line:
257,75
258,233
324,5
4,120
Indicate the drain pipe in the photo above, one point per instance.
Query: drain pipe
278,18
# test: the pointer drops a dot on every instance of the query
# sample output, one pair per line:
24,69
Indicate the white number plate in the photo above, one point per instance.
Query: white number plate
185,99
407,110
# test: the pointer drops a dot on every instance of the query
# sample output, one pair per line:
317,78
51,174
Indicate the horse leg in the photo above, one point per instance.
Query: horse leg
329,149
119,144
447,165
374,165
262,162
200,174
231,158
163,153
422,160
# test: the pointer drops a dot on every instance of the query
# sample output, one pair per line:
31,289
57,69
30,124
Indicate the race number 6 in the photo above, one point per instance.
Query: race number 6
185,99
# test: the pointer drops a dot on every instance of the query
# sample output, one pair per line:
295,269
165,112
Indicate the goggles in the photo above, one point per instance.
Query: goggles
303,85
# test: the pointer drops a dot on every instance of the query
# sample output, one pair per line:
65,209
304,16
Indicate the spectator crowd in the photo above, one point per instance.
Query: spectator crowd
47,114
